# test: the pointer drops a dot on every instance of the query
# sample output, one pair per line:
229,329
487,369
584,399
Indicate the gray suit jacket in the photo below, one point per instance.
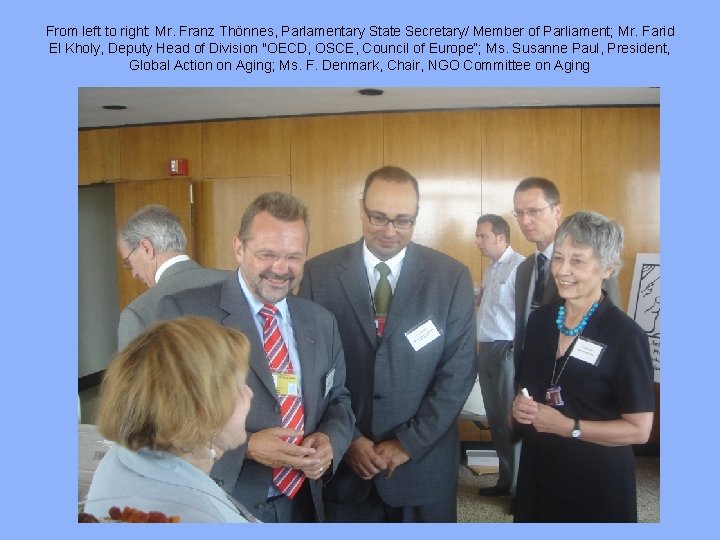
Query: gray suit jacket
523,278
398,392
142,311
325,398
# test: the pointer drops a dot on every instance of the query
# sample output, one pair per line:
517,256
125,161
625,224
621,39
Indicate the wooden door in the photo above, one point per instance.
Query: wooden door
175,194
220,203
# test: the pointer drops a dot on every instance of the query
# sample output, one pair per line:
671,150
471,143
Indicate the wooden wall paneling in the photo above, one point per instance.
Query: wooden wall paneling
98,156
331,157
621,177
246,148
219,205
443,150
146,150
470,431
518,143
131,196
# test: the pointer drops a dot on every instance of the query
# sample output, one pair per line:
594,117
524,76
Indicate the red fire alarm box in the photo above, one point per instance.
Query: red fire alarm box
178,167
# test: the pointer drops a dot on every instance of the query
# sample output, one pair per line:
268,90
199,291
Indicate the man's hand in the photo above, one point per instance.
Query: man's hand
393,453
323,452
363,460
269,448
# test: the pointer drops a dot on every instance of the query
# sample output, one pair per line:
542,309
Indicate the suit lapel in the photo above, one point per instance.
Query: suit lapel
355,283
233,301
307,353
412,278
551,292
523,278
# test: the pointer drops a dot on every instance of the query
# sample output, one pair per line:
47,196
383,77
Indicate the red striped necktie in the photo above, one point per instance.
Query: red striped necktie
286,479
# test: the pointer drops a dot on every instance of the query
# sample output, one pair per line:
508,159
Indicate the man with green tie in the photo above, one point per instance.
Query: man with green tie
406,319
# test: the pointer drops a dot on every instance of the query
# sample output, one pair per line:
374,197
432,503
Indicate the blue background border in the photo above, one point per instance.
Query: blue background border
40,221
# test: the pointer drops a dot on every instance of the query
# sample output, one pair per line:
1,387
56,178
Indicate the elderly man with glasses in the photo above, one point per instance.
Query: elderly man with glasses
406,319
152,246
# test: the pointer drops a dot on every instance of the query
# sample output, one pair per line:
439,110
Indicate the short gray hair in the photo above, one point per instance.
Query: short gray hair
156,224
590,229
282,206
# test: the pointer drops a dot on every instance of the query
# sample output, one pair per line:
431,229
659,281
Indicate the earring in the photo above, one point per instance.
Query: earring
213,453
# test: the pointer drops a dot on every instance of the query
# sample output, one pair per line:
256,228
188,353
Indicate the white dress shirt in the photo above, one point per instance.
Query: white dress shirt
284,325
395,265
496,314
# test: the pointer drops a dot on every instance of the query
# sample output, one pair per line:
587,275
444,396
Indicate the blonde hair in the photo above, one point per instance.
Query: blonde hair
173,386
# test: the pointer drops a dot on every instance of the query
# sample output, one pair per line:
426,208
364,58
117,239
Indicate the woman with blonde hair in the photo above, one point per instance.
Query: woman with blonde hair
174,400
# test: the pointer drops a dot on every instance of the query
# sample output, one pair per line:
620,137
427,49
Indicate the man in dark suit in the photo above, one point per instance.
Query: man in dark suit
410,366
152,245
289,445
538,211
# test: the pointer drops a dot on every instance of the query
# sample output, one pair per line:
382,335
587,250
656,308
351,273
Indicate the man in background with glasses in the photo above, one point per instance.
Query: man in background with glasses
538,212
406,319
152,245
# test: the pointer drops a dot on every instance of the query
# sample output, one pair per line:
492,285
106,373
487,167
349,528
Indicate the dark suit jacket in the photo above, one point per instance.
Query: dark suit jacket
398,392
523,278
142,312
320,354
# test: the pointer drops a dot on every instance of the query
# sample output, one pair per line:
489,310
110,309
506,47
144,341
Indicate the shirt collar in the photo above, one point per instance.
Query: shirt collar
548,251
395,263
167,264
509,251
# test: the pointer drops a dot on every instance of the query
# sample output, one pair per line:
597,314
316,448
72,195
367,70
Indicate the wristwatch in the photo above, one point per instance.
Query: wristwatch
575,434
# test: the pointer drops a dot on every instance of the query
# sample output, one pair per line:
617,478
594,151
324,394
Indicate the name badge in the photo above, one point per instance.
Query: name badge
422,334
329,379
587,350
286,384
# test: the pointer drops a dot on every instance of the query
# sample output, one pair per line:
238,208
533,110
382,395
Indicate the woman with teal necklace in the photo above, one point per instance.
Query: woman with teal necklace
586,377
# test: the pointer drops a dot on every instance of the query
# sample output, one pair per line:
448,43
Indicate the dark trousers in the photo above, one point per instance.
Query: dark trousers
280,509
374,510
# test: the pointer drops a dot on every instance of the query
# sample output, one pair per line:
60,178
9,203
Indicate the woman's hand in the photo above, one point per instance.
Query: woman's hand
550,420
524,409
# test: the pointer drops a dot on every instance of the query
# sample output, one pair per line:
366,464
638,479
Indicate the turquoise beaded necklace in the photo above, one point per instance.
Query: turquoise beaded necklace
560,321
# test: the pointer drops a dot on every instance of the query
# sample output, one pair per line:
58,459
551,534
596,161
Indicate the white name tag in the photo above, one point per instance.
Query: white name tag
422,334
587,350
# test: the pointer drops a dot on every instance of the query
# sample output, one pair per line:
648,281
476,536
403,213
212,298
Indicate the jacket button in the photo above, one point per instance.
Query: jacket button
377,396
277,409
260,506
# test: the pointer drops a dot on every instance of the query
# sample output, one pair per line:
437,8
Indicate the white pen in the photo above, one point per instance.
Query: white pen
525,392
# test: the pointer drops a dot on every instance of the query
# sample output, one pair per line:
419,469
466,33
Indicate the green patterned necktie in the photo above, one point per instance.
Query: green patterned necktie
383,291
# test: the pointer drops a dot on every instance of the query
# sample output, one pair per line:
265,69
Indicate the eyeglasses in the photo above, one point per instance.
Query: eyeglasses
126,261
531,212
269,257
382,221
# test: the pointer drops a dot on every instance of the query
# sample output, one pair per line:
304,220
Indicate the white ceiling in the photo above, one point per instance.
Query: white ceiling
158,105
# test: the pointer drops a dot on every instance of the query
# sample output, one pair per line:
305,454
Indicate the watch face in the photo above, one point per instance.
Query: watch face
575,433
